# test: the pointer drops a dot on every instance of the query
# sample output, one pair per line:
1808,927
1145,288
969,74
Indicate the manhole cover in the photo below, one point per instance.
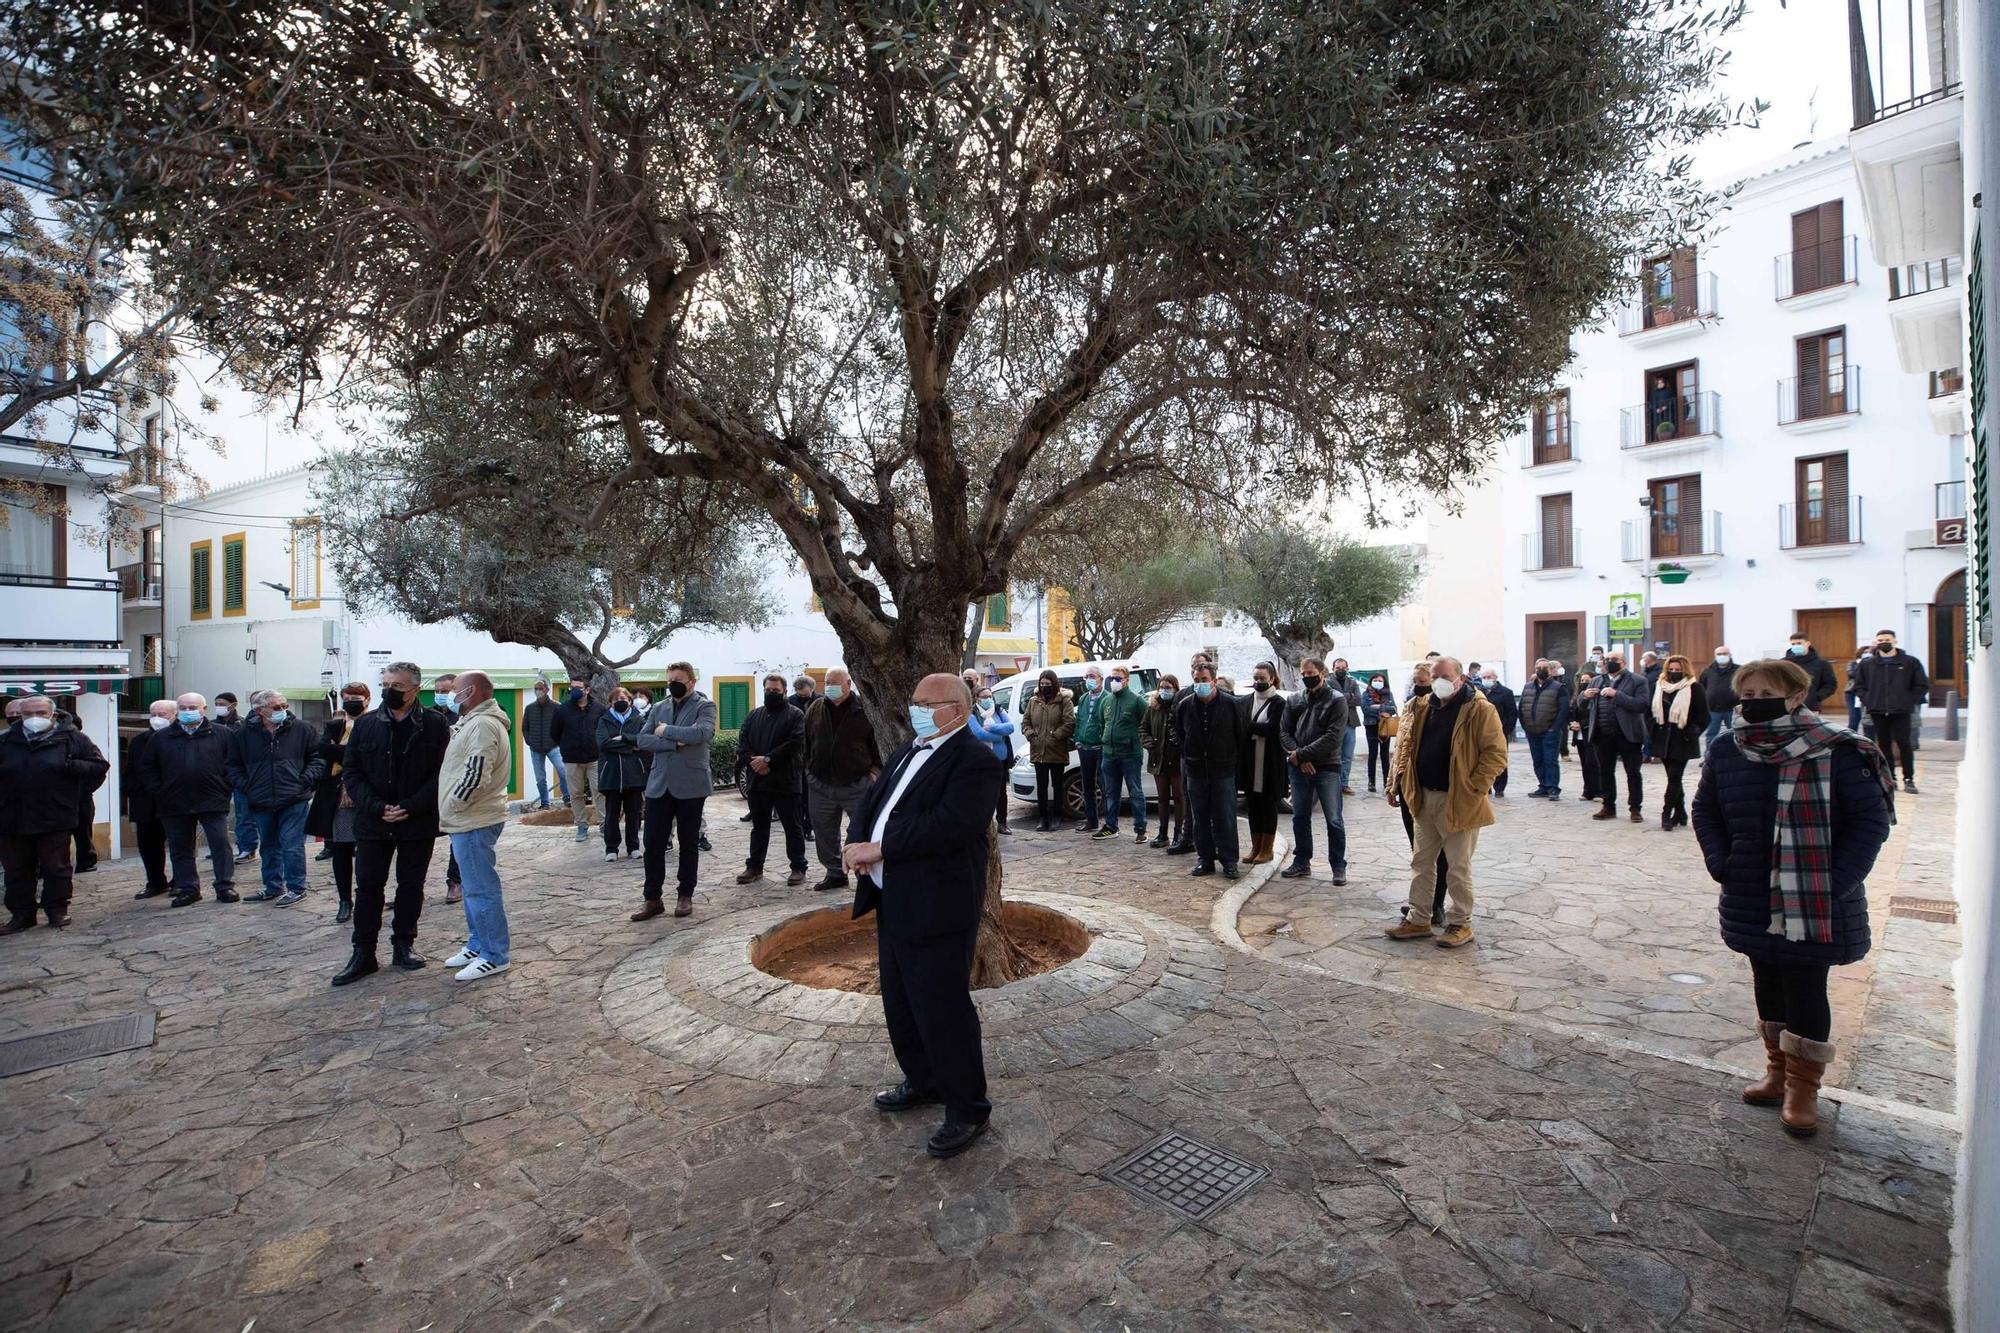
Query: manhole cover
1688,978
1191,1178
1924,909
26,1054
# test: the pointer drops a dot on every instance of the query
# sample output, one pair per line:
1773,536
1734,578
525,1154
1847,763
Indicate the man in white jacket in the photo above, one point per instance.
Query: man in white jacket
472,810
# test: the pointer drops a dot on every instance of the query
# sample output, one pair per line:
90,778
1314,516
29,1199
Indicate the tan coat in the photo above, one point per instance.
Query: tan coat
1048,725
472,785
1478,754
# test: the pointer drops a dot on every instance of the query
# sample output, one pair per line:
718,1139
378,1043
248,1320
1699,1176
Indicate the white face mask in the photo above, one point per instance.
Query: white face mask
36,725
159,723
1444,689
1723,658
1116,685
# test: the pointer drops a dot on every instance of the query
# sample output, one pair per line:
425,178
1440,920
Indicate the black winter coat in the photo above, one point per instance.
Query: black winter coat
575,731
1718,686
779,734
43,779
1213,733
1823,686
1682,743
1503,700
326,795
387,766
275,770
1267,722
620,763
188,771
139,801
1892,684
1735,820
538,722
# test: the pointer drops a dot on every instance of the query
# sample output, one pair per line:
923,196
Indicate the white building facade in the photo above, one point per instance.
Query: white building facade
1767,437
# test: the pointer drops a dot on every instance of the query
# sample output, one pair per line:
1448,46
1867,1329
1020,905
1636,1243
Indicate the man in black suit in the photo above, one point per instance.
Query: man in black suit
917,848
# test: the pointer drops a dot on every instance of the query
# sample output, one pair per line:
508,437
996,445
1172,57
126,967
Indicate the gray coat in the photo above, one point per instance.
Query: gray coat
677,735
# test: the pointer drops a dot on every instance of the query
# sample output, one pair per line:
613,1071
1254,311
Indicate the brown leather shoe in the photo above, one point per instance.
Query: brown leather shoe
796,878
1408,930
1638,818
1770,1089
750,877
59,919
651,908
1606,813
683,907
1805,1064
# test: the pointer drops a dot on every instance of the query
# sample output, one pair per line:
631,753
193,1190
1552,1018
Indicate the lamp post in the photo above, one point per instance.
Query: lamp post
1646,563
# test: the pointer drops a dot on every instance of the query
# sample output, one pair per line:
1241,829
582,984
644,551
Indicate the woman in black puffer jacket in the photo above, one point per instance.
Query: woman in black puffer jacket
1793,873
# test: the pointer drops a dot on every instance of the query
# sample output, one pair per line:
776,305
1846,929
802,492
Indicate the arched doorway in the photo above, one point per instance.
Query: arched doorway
1947,645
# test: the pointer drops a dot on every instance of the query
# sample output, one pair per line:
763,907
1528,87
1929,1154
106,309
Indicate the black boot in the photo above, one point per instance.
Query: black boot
346,912
360,965
406,956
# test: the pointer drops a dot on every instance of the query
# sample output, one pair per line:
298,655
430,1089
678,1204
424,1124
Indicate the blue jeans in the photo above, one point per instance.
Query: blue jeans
1089,755
1212,807
1347,757
282,832
485,914
542,762
246,823
1127,772
1542,749
1716,722
1322,787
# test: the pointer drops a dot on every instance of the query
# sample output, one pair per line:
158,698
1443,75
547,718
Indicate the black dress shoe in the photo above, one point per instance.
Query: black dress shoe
16,924
903,1097
185,900
953,1138
360,965
146,893
85,867
1181,848
1296,870
346,912
829,883
226,896
406,957
1159,840
1199,871
1229,871
58,919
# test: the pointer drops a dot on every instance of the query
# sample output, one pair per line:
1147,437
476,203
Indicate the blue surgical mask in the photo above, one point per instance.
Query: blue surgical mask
1093,684
1166,692
985,705
835,693
189,718
280,716
1796,650
923,722
1203,689
448,702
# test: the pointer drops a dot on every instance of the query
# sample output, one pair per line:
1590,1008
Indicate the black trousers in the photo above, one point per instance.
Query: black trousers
1410,832
1613,750
28,857
1500,783
1049,791
933,1026
151,835
785,805
86,823
343,870
1385,748
371,880
1262,807
1676,802
626,805
1586,761
663,814
1892,732
180,847
1793,994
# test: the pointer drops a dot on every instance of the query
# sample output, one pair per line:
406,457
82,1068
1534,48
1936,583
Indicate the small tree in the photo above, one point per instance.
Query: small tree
1298,587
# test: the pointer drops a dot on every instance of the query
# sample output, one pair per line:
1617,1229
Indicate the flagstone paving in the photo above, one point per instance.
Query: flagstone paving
409,1154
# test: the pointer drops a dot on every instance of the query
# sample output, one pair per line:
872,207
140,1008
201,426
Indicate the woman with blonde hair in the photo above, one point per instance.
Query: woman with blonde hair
1680,715
1790,814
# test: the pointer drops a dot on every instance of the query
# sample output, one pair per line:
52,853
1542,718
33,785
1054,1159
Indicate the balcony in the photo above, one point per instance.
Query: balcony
1947,403
1550,553
43,611
1924,313
1950,504
1672,423
1821,528
1817,274
139,585
1690,538
1551,456
1657,317
1819,402
1903,67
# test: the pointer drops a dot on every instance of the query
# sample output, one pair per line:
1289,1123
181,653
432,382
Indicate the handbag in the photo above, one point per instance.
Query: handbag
1388,726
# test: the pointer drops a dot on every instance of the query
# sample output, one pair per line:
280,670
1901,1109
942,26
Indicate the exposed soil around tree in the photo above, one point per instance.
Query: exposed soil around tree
828,951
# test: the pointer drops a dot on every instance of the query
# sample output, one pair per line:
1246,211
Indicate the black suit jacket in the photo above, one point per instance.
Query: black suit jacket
935,845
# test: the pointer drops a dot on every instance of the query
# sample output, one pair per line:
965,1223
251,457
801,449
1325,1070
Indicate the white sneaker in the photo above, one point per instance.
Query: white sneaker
611,856
479,967
631,853
461,958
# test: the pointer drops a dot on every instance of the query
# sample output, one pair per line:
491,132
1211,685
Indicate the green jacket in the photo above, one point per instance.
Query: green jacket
1121,717
1089,733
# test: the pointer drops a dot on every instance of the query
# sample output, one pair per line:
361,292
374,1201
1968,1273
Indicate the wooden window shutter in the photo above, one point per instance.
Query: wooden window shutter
1685,302
1833,246
1693,521
1805,251
1836,497
1812,377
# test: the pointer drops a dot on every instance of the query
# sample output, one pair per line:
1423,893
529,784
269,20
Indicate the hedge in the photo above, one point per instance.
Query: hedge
722,759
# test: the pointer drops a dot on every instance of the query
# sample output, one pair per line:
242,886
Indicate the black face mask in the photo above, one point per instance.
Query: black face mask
1340,673
576,696
1310,682
1049,688
393,698
353,707
677,688
1763,710
1541,673
1885,648
774,699
1676,675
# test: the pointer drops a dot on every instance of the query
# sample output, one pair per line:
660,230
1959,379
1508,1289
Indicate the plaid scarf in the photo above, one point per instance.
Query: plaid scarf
1801,745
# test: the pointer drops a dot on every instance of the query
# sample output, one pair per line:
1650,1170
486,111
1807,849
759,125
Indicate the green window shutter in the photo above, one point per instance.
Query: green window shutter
997,616
199,578
232,575
732,704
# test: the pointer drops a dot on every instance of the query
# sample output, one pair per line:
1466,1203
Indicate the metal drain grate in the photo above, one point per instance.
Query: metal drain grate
26,1054
1924,909
1191,1178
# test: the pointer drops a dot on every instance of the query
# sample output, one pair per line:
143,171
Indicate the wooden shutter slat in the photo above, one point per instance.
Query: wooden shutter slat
1805,251
1833,249
1812,376
1693,522
1836,497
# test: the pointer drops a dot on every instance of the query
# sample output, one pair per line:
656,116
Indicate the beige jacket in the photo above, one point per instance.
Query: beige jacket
472,785
1478,754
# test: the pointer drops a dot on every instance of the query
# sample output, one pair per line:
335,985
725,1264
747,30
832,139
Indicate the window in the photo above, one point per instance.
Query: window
1822,500
1557,541
1211,618
22,162
201,572
34,542
998,614
1822,381
1673,402
150,653
305,564
1551,430
1819,256
235,595
149,456
1676,516
1667,288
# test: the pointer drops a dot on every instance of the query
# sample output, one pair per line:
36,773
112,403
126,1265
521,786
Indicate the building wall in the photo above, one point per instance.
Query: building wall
1894,454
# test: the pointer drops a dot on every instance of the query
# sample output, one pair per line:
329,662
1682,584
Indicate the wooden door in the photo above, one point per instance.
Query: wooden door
1558,637
1831,630
1947,640
1818,256
1558,547
1822,374
1676,521
1692,631
1822,501
1552,430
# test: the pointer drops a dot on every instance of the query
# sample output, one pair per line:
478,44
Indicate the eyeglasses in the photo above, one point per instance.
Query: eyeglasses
937,703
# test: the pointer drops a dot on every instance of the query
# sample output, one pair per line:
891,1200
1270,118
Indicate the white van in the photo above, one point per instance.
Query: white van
1011,693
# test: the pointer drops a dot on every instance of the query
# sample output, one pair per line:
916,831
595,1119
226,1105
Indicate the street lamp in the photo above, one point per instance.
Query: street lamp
1646,551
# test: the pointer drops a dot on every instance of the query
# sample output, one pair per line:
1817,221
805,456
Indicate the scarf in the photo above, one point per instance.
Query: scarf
1801,746
1260,704
1675,690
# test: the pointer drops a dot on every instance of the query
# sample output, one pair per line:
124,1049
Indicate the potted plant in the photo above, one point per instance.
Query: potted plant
1671,572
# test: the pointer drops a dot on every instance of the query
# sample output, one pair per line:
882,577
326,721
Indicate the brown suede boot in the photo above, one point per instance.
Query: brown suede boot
1805,1063
1770,1089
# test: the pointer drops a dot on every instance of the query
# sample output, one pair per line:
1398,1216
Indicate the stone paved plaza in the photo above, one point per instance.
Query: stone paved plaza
633,1129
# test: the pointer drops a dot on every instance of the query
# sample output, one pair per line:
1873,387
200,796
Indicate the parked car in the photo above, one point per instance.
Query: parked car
1011,692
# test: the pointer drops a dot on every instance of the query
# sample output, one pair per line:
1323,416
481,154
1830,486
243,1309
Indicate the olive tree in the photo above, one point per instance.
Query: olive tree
1297,587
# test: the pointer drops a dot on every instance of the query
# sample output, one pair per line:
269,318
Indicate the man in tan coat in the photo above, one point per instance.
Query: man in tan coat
1452,751
472,810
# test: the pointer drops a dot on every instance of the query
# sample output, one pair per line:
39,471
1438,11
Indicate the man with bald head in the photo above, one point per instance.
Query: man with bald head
187,770
918,847
1452,750
142,803
472,811
45,771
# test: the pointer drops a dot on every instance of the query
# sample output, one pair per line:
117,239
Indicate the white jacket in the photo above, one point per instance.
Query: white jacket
472,785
